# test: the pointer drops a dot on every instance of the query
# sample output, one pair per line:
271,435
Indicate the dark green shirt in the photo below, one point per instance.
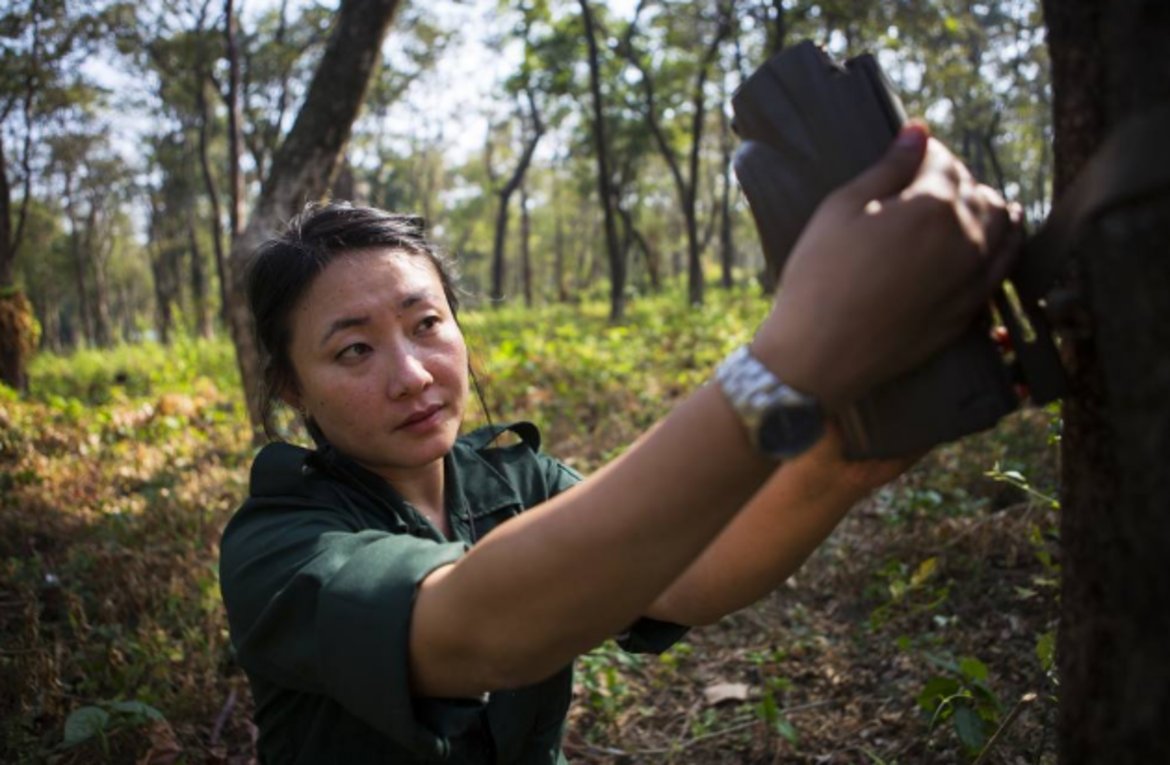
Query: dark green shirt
319,570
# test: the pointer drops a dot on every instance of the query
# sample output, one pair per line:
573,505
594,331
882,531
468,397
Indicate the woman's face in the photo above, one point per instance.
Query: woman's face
380,362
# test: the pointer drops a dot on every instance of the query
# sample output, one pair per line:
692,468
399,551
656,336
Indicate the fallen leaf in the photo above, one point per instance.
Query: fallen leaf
721,692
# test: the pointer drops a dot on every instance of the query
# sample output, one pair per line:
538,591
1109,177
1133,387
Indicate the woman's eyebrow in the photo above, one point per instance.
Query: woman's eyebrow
344,323
414,298
411,300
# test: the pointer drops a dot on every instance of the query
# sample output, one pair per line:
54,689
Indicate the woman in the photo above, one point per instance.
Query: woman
404,595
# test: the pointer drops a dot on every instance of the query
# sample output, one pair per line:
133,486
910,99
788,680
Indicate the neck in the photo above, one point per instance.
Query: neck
422,487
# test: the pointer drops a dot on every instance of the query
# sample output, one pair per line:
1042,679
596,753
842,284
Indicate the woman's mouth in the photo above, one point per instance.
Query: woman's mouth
423,419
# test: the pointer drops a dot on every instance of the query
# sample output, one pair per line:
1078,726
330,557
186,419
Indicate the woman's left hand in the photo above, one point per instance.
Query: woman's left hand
825,467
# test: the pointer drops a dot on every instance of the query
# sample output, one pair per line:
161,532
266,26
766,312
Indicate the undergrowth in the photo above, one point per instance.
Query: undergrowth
120,468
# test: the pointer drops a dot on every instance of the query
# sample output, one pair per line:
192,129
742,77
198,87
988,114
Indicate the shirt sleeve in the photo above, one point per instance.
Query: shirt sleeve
645,635
321,608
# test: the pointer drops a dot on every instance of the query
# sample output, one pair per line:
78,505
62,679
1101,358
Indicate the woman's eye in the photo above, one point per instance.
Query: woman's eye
428,323
353,351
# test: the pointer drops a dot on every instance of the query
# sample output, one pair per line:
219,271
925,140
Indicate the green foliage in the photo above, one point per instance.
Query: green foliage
131,371
960,693
105,718
119,472
602,675
570,370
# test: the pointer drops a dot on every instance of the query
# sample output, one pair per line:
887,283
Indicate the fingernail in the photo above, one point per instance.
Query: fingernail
911,137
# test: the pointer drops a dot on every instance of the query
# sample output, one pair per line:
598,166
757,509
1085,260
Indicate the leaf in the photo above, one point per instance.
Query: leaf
969,726
720,693
936,690
786,729
924,571
137,710
972,669
1046,650
84,723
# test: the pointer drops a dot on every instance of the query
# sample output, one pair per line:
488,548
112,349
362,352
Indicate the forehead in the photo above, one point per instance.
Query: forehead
369,278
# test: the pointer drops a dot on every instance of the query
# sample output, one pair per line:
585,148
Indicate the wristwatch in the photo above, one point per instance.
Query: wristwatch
781,422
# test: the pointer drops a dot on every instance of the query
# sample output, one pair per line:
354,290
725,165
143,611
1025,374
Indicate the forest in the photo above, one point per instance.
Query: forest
1002,602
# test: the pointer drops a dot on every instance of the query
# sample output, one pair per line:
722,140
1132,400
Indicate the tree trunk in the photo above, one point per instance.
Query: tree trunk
77,251
726,242
7,245
95,245
216,213
303,167
617,264
235,131
525,254
1108,62
505,195
199,296
686,187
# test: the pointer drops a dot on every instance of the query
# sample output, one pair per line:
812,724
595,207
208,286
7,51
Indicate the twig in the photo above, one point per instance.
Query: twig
1026,699
222,717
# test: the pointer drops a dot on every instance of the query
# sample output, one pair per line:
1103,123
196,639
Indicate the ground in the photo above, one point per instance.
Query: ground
921,632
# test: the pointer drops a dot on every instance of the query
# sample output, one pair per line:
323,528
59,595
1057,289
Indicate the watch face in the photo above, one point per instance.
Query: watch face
788,430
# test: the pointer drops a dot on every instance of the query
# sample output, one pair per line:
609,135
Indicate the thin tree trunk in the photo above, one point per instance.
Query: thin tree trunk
303,167
726,241
235,127
7,244
213,197
1108,62
78,256
198,280
94,254
525,255
686,186
617,264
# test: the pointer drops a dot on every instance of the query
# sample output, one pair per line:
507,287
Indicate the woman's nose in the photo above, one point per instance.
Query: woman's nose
409,374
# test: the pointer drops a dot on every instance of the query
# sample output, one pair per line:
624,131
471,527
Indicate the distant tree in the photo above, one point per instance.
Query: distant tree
41,47
617,262
304,166
677,85
1109,63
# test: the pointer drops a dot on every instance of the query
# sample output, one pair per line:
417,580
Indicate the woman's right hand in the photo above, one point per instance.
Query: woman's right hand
892,266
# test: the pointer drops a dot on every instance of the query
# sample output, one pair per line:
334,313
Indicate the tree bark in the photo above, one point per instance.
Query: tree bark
303,167
209,185
505,196
525,245
7,244
199,296
726,240
617,264
235,128
1108,62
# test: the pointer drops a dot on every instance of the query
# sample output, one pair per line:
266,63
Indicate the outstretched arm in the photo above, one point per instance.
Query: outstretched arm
788,518
892,266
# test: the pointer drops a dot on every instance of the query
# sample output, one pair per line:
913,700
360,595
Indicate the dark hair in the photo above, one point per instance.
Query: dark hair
283,268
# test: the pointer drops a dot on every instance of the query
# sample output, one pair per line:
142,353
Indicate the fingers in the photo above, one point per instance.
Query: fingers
893,172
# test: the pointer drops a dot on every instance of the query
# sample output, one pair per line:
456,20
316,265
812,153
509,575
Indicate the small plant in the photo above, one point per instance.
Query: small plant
770,711
960,694
100,721
907,589
601,676
1017,479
